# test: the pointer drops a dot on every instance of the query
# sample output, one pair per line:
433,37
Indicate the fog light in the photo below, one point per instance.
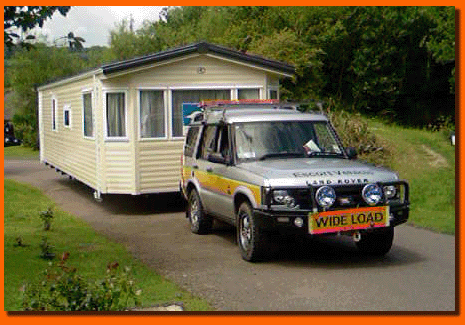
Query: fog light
372,194
325,196
299,222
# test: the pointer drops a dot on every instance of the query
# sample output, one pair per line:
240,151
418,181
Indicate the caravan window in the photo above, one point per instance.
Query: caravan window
152,114
54,113
67,116
116,114
88,124
192,96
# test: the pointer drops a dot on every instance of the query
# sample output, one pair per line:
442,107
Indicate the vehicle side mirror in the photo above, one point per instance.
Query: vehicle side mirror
351,152
216,158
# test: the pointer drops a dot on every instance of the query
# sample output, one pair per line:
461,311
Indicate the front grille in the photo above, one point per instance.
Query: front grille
303,198
346,197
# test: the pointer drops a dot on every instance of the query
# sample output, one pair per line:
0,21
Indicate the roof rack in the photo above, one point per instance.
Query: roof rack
219,107
236,102
301,106
248,103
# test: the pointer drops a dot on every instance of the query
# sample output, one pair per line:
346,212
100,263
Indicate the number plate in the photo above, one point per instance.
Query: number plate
343,220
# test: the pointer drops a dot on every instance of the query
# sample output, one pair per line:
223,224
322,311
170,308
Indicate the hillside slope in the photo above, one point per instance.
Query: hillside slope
427,161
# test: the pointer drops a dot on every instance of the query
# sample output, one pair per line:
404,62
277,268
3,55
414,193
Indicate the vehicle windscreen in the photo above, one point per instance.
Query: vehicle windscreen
268,140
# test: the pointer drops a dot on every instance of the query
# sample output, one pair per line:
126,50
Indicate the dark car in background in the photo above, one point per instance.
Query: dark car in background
10,139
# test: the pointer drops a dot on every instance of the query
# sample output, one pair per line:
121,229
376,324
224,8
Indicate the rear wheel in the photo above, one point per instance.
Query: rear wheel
250,236
376,243
199,221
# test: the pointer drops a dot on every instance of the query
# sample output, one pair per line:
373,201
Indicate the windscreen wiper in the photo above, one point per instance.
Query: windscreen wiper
323,154
281,155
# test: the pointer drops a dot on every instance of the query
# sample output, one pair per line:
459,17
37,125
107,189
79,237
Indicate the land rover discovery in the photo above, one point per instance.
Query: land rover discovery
270,168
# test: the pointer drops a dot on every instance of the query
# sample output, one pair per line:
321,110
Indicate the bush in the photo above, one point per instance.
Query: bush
26,129
354,132
46,249
443,124
46,217
63,289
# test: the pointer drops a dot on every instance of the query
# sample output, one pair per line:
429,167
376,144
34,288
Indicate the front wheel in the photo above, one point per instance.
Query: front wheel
250,236
376,243
199,221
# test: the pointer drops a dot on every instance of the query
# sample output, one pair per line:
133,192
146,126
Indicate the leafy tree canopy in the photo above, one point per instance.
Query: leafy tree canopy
26,18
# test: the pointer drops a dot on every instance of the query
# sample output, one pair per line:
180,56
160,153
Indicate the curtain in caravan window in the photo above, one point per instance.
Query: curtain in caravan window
116,110
248,93
88,123
192,96
152,114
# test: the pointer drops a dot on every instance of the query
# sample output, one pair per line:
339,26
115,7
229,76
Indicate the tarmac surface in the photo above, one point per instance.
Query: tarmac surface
324,275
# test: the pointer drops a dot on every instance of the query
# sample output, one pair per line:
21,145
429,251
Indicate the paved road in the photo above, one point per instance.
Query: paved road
325,275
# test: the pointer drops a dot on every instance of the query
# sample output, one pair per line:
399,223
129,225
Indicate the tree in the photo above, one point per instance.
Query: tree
28,68
390,71
26,18
74,42
441,42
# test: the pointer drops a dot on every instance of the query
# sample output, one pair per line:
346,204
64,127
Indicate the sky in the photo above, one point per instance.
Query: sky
93,24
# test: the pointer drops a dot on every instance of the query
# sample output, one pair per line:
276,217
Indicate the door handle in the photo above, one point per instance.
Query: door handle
209,169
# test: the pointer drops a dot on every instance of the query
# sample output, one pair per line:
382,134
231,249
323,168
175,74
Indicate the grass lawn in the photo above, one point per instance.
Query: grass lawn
20,152
89,252
427,161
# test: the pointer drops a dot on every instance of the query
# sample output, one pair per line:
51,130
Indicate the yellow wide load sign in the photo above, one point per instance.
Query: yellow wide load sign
353,219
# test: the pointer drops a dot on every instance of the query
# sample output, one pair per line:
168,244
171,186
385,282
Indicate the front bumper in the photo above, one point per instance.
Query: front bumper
281,219
285,221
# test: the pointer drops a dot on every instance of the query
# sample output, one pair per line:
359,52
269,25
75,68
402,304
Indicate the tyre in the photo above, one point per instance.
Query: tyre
376,243
199,221
250,236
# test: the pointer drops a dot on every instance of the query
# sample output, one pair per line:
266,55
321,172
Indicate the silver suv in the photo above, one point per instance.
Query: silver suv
268,168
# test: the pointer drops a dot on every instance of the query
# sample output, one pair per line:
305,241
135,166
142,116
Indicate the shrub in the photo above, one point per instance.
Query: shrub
46,249
47,217
443,124
63,289
26,129
354,132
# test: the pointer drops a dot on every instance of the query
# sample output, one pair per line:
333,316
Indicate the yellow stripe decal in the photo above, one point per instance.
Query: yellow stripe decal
222,185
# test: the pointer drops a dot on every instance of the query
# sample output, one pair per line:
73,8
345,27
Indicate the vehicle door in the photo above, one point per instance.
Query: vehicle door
213,165
189,159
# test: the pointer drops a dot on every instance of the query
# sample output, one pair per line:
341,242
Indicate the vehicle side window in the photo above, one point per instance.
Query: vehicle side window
223,143
209,141
191,140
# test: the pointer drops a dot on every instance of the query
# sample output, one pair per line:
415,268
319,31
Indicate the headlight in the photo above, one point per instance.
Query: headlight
279,196
372,194
283,197
325,196
390,191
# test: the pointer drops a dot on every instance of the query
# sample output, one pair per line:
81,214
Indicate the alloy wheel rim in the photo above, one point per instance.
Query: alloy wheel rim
245,231
194,211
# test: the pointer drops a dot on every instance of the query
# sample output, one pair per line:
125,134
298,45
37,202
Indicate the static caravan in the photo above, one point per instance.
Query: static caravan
120,128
